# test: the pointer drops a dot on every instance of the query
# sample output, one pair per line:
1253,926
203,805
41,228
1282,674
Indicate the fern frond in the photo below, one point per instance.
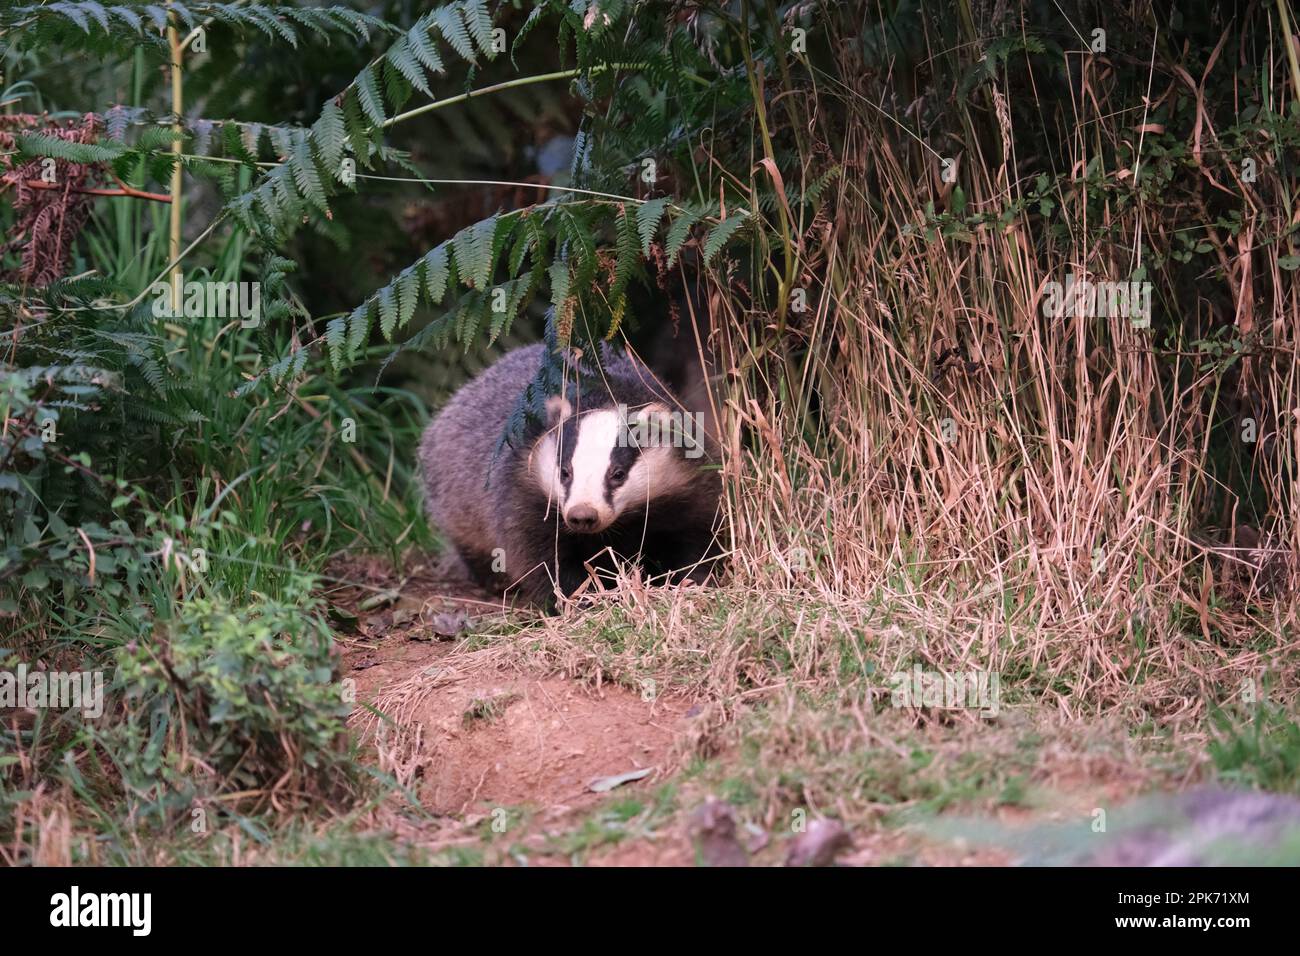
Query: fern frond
407,289
680,230
721,234
122,26
562,303
331,136
38,144
364,107
368,92
452,27
305,175
648,217
436,272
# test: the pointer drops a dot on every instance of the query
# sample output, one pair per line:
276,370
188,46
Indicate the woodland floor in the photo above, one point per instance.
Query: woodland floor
495,762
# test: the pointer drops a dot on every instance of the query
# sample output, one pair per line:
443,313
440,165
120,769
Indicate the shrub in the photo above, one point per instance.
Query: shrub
247,693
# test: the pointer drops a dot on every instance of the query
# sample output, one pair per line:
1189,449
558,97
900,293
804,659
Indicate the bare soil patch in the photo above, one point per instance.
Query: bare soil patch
494,739
473,735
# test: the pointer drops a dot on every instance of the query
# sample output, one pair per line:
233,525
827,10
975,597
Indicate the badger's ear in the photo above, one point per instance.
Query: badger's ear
557,410
653,411
651,425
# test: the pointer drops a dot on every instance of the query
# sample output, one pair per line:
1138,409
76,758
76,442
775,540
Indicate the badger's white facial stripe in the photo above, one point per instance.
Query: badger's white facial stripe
597,434
655,473
545,467
657,470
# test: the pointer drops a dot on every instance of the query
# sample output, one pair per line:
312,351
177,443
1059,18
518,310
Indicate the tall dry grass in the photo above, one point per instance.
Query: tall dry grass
1070,501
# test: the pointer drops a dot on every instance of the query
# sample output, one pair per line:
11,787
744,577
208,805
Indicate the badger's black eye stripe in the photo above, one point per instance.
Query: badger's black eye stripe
621,461
568,441
624,457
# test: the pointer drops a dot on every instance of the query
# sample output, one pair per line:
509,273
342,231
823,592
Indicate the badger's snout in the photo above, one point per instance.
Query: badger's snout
583,519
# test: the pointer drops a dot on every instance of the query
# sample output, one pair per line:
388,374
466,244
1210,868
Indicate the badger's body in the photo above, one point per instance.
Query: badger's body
576,487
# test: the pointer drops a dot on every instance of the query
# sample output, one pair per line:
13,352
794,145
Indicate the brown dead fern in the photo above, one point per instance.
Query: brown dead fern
50,198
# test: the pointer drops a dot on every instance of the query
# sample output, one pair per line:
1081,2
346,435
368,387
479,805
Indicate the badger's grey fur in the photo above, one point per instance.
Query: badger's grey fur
569,495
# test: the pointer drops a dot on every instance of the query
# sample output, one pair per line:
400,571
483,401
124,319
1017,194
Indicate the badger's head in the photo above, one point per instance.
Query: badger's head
599,465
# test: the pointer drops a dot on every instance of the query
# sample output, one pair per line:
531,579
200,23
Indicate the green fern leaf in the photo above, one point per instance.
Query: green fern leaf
272,25
480,25
184,13
532,240
387,311
680,231
402,58
305,175
157,15
359,326
361,23
453,31
282,141
251,136
468,319
98,12
647,221
423,47
502,230
242,206
578,232
435,273
371,100
335,335
39,144
721,233
408,295
265,197
516,290
472,247
128,16
534,18
288,208
560,300
331,136
74,13
629,256
355,123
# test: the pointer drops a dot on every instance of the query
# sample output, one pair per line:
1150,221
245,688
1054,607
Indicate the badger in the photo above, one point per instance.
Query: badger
616,471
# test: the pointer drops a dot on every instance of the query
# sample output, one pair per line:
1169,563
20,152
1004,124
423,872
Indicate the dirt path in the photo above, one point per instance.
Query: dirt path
503,761
478,742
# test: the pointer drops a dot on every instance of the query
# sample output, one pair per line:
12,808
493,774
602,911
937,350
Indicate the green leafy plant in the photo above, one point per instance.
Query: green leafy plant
1262,751
251,692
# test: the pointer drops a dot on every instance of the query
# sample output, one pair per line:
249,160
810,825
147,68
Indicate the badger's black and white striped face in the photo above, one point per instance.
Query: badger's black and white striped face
590,469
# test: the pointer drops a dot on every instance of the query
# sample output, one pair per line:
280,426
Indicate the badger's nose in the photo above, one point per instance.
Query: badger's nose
582,518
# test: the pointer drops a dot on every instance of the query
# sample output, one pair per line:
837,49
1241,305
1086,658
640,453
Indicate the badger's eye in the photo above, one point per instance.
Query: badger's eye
565,473
617,474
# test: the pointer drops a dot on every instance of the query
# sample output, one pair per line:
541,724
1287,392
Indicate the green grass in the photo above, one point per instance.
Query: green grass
1260,750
